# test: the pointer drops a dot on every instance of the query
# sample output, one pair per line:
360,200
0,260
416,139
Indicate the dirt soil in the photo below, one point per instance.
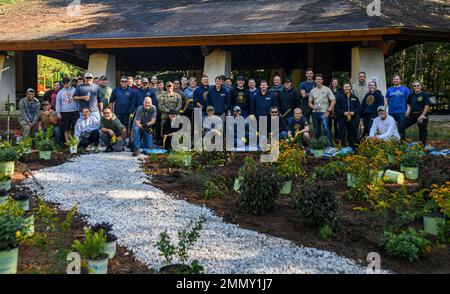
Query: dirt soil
355,240
34,260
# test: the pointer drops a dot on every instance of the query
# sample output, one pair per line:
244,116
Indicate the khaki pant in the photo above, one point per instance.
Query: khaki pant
27,130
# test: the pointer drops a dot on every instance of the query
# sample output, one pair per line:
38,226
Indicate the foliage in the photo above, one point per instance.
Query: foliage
441,196
326,232
413,157
373,150
176,159
443,235
213,158
42,136
72,142
359,166
46,145
11,226
260,187
331,171
318,204
408,244
319,144
211,190
394,209
26,142
7,155
93,245
54,70
186,240
290,161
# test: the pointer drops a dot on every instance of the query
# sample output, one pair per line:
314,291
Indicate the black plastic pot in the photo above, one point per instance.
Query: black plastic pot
174,269
21,197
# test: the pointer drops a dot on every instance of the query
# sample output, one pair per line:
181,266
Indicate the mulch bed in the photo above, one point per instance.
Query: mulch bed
33,260
355,240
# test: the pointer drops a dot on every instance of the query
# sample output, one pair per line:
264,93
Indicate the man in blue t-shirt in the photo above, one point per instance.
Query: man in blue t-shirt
396,97
120,101
305,89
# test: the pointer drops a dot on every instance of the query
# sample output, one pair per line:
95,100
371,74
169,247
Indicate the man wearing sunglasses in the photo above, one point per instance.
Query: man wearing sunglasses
89,96
67,108
120,101
418,105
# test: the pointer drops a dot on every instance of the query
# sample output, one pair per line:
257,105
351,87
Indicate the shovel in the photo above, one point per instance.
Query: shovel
23,168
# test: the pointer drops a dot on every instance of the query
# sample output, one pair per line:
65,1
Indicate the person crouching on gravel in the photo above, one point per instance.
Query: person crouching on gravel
112,132
144,121
86,130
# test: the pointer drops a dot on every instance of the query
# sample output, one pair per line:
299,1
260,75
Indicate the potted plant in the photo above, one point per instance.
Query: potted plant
186,240
28,223
393,150
248,161
392,176
5,183
23,200
92,249
437,208
411,161
11,226
318,146
111,239
45,148
7,159
25,145
289,165
3,196
73,145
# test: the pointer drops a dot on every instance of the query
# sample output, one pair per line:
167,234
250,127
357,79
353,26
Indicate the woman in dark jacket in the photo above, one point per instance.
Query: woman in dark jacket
333,121
369,106
347,109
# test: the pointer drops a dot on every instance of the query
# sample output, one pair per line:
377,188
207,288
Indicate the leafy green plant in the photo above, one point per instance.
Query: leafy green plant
7,155
318,204
72,142
413,157
326,232
11,225
211,190
93,245
26,142
260,187
331,171
213,158
46,145
186,239
42,136
443,234
409,244
176,159
290,161
319,144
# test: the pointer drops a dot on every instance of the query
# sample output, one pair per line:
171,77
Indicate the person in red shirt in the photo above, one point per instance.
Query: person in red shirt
50,95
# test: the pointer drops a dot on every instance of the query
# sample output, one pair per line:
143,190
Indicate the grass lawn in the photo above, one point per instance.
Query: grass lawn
437,131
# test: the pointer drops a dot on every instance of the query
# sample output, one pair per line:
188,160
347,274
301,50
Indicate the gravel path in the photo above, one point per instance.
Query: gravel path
110,187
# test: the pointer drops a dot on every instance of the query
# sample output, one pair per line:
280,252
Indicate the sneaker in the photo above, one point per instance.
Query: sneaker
96,149
136,152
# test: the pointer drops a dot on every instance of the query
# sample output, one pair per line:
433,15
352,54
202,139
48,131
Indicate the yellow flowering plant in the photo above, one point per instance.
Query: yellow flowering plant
290,161
441,196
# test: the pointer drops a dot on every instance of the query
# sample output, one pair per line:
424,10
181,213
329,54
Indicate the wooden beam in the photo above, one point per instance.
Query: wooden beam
204,40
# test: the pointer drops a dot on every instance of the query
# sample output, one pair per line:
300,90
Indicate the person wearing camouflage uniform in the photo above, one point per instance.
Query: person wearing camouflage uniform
168,100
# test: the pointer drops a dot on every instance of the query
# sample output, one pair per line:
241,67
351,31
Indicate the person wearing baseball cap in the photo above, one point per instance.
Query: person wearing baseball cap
89,95
105,91
137,83
288,101
240,96
120,101
384,126
67,109
168,130
29,113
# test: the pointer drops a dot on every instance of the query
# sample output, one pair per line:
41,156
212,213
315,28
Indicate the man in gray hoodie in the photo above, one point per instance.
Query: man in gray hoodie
67,108
361,88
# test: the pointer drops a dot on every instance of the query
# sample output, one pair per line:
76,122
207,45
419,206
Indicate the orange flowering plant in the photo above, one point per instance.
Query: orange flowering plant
441,196
290,161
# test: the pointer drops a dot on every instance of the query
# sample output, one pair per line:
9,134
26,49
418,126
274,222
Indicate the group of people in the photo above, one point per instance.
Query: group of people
139,111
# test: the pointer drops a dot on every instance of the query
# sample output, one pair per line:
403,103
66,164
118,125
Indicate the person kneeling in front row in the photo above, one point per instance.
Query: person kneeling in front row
112,132
384,127
144,121
86,130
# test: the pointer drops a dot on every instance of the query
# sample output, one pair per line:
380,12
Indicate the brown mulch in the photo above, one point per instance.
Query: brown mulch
355,240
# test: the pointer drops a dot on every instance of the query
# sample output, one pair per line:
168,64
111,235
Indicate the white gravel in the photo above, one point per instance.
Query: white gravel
110,187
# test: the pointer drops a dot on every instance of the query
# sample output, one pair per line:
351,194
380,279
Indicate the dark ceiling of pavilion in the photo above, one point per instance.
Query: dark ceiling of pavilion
47,19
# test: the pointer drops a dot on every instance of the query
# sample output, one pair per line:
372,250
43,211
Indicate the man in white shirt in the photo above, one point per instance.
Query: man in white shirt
384,127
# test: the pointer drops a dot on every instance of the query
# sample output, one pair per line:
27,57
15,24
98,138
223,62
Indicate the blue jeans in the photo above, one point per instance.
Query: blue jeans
147,139
399,117
283,135
319,121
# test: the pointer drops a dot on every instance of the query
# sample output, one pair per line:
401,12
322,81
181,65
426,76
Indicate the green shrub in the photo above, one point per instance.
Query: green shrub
211,190
7,155
176,159
326,232
11,225
46,145
319,144
444,232
260,187
93,245
331,171
318,204
409,244
213,158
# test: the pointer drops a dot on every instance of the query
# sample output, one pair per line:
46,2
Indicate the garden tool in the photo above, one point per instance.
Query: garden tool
23,167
